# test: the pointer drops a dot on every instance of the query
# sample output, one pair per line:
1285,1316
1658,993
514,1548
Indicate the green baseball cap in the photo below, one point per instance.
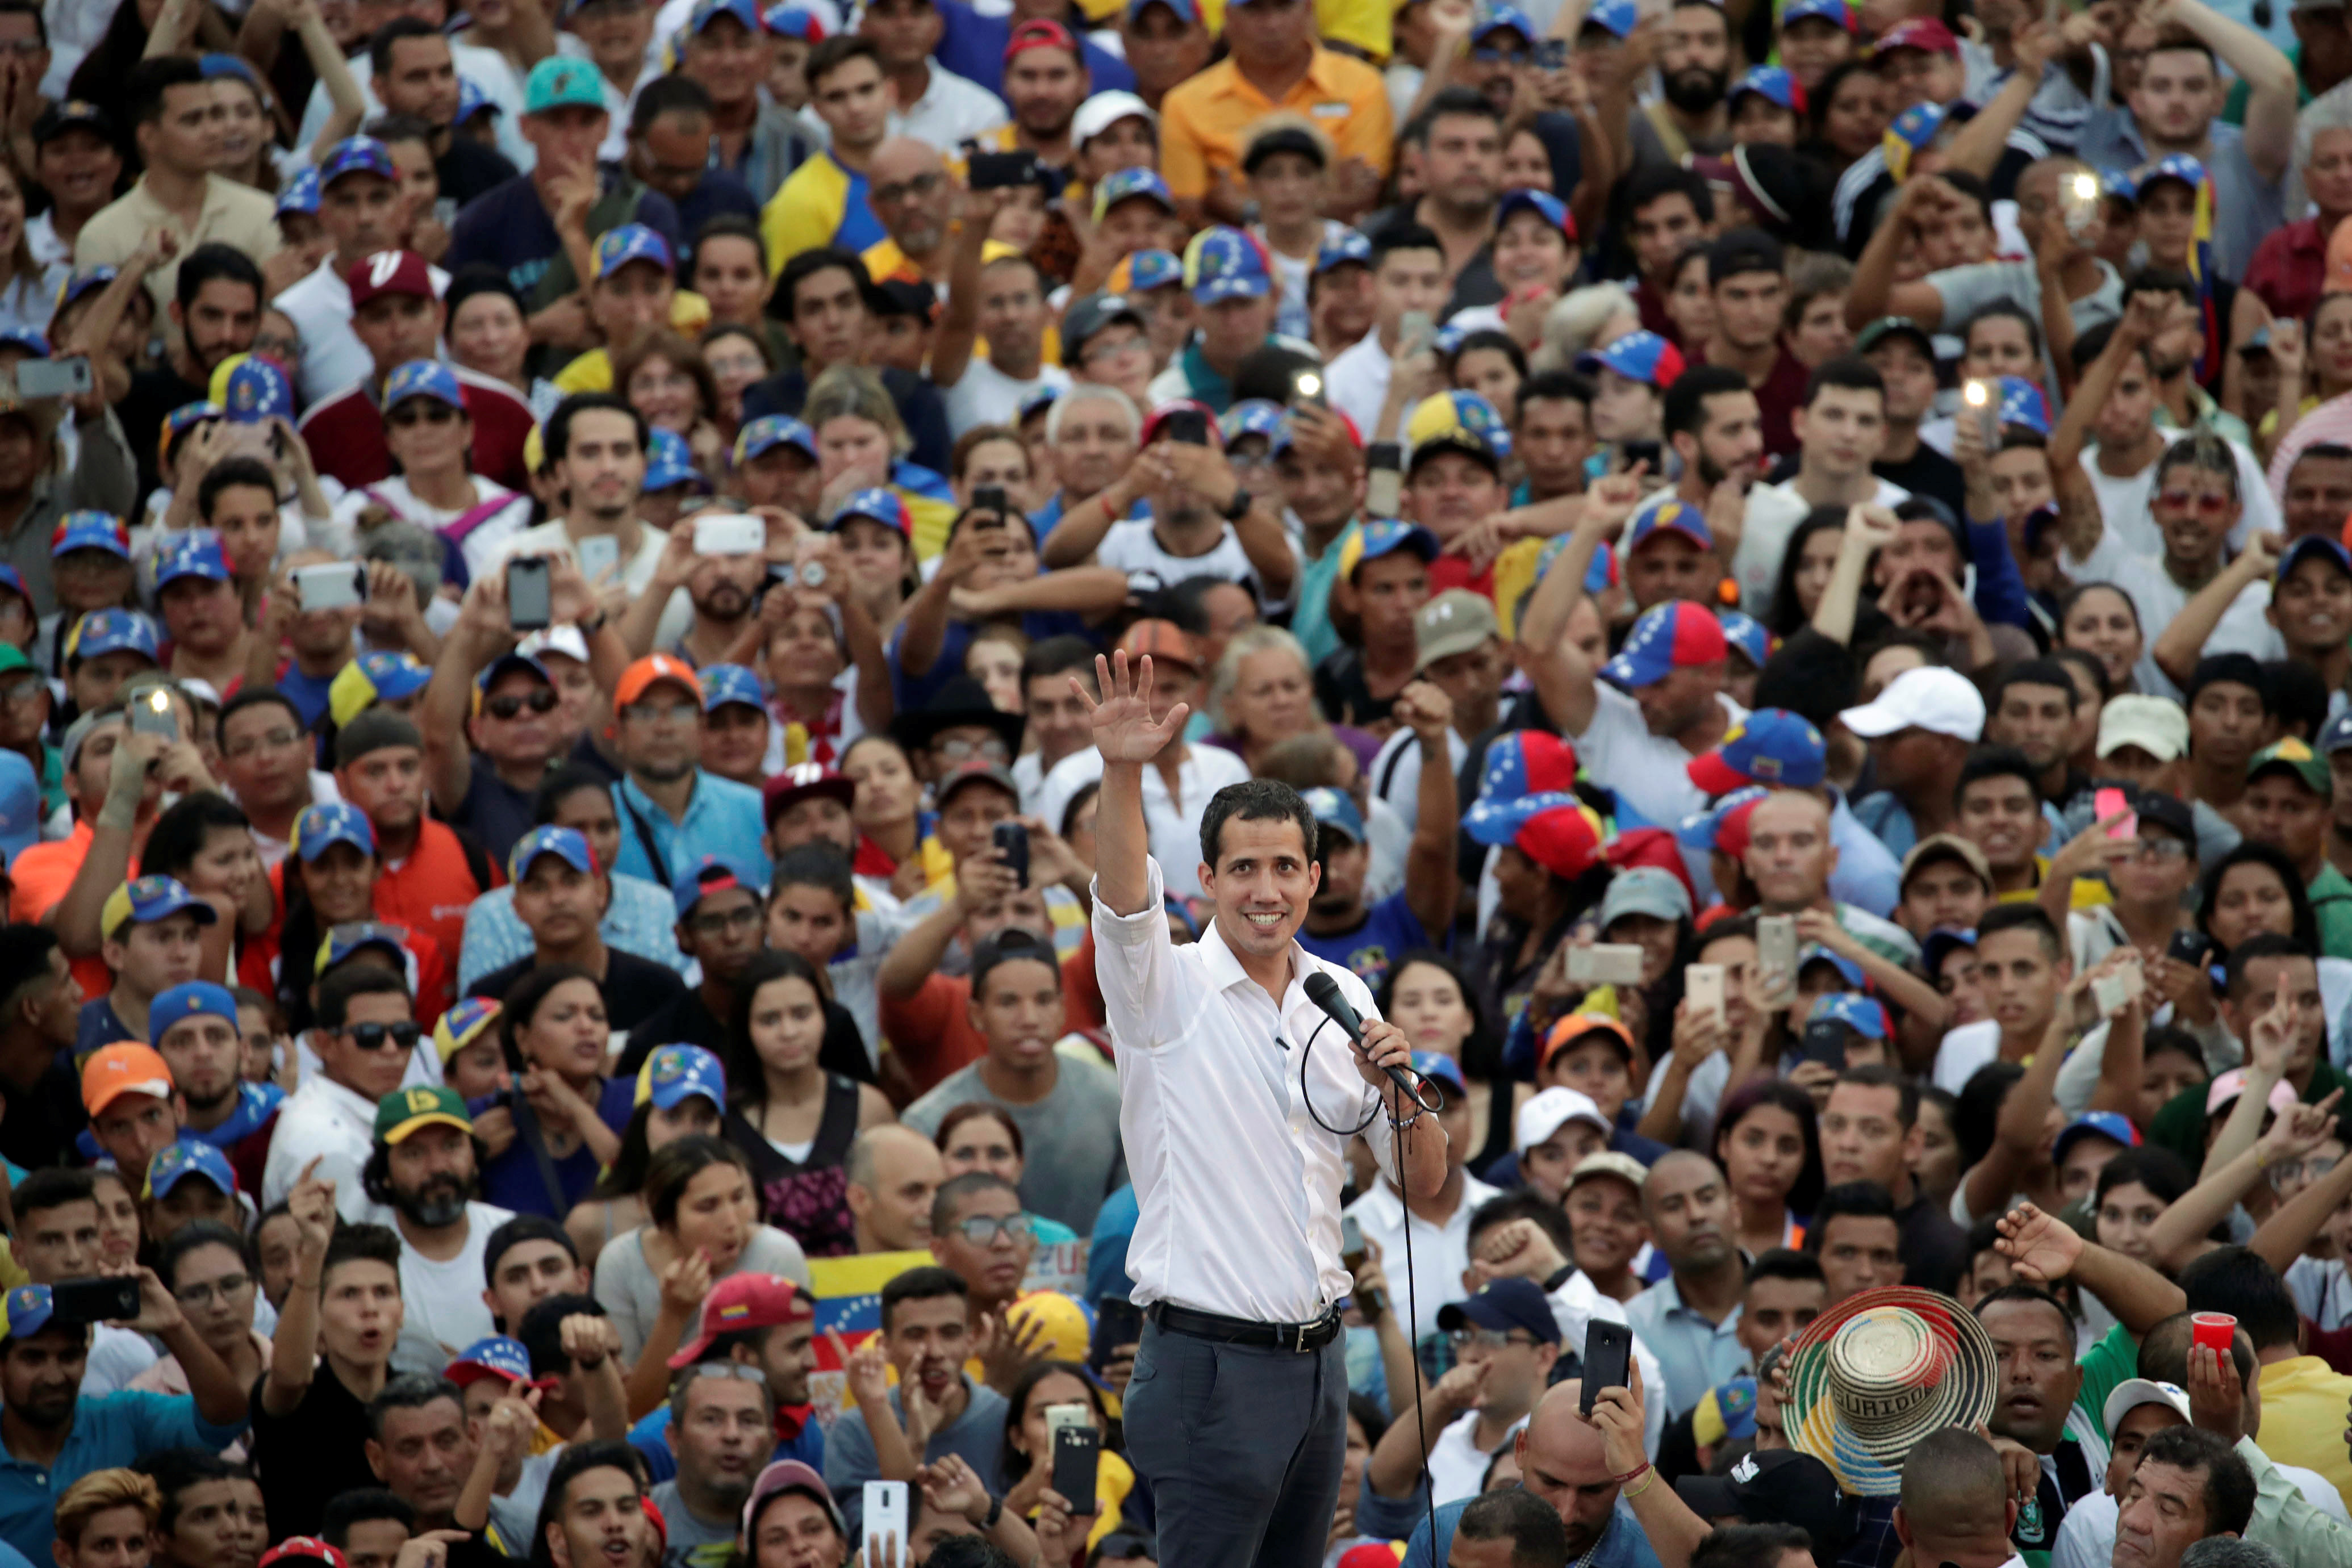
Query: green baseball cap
401,1111
11,659
557,81
2306,764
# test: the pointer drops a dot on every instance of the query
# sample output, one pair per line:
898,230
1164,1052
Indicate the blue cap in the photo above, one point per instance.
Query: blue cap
29,1310
26,338
1499,17
1771,746
2022,404
1671,516
708,11
1251,416
616,247
676,1074
423,378
1150,269
189,999
1349,248
1675,635
1226,264
771,431
2309,545
1503,1305
335,822
724,684
216,66
2110,1125
196,552
2118,183
1638,357
1770,81
348,938
1436,1064
1496,820
2337,733
1861,1013
568,845
1335,810
709,874
1125,184
1698,831
1824,10
1747,635
1184,10
1379,537
669,461
505,663
258,390
356,155
301,195
496,1354
794,22
1544,205
1937,945
472,101
14,582
189,1156
143,901
113,632
83,280
1814,953
91,530
1917,126
876,504
1616,16
2177,166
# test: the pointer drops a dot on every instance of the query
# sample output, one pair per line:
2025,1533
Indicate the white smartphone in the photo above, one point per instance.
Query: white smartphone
1776,957
1605,964
329,587
729,533
1703,984
53,378
597,554
2110,992
885,1515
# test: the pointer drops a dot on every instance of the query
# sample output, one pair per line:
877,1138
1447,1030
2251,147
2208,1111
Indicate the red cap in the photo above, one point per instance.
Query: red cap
1162,640
1563,840
1040,33
303,1548
1919,33
743,1301
390,272
1731,833
1159,417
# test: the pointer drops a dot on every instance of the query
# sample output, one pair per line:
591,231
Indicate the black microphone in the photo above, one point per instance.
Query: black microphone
1324,992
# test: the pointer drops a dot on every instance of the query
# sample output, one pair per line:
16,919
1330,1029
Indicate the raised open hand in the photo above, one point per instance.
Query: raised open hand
1124,730
2039,1247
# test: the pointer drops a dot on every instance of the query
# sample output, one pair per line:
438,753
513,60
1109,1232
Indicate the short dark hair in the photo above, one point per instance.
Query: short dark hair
2083,659
561,786
177,839
2241,1282
1995,309
834,53
821,866
1521,1203
1749,1545
1786,1263
2264,945
1687,399
336,991
29,8
151,79
1409,235
1659,181
227,475
578,1459
808,263
955,1190
666,95
1875,1076
559,424
391,32
362,1244
1056,656
410,1391
1852,1200
1532,1526
1452,102
1851,370
2031,1294
540,1332
2164,1352
1567,386
1255,801
2033,672
194,1236
51,1186
211,261
174,1470
1744,249
394,129
1010,946
361,1505
1997,762
373,730
2020,917
524,1227
926,1284
2229,1482
726,225
24,959
259,696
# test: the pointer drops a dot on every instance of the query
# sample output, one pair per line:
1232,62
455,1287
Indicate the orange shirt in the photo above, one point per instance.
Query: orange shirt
1204,121
931,1031
42,874
432,888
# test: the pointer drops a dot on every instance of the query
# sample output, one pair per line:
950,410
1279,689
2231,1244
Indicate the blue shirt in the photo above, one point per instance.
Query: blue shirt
650,1437
108,1431
256,1105
513,1180
972,45
641,919
98,1024
308,693
508,226
723,817
912,693
1115,1224
1622,1545
1696,1354
1390,931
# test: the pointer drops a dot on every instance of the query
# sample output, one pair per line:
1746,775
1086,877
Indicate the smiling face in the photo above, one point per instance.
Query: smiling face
1263,883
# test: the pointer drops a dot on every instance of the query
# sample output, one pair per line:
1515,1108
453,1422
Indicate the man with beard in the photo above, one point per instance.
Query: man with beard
1046,80
195,1029
1747,276
1460,139
212,1515
425,1168
719,588
216,306
1695,70
418,1444
915,196
414,73
673,811
1714,423
722,1429
1904,355
934,1410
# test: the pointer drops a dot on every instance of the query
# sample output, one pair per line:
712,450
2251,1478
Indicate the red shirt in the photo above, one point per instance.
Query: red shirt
2288,269
1782,391
345,433
430,891
931,1031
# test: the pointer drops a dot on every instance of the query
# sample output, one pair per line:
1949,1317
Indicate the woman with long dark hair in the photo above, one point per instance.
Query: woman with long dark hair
1768,1143
1429,995
2253,890
684,1092
1806,563
567,1116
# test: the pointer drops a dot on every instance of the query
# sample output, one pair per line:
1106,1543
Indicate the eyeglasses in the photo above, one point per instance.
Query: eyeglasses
2310,1169
981,1230
420,410
225,1287
964,750
1495,57
663,713
2182,500
891,196
719,924
24,694
270,740
540,701
2160,850
1488,1339
1096,353
376,1036
734,1371
23,45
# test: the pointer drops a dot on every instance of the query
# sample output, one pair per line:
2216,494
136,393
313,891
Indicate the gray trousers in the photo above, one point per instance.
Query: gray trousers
1243,1447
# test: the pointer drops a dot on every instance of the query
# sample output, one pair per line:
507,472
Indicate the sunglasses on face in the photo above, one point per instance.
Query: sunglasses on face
376,1036
508,707
2183,500
420,410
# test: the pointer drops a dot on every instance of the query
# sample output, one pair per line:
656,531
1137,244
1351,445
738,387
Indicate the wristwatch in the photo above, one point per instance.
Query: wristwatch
1235,510
995,1512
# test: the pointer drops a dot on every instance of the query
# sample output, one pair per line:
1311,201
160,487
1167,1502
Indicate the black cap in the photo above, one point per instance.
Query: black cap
72,114
2169,812
1089,315
904,297
960,700
1778,1486
2238,669
1743,250
1887,326
1285,139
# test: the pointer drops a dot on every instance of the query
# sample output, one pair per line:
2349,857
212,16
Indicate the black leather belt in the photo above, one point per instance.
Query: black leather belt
1299,1337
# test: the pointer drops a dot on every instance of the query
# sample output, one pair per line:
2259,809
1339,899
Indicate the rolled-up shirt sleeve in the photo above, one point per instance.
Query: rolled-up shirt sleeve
1135,963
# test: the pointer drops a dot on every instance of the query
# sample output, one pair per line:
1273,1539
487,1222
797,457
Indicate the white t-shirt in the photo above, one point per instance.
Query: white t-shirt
2243,629
483,545
492,74
1173,825
636,572
1396,772
1357,382
445,1311
1963,1050
1773,513
2124,502
986,395
320,306
952,110
1456,1463
1133,548
2323,1290
1649,772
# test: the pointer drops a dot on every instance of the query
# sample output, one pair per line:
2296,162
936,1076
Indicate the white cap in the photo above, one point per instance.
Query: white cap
1105,109
1547,1112
2155,724
565,640
1943,701
2134,1392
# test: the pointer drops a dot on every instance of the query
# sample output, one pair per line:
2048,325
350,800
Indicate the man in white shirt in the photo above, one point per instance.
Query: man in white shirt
1840,429
1408,277
489,71
1056,715
362,210
935,105
422,1175
366,1030
1505,1341
991,390
1235,1256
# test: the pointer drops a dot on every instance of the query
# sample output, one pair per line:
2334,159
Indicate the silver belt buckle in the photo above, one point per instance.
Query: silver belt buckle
1301,1345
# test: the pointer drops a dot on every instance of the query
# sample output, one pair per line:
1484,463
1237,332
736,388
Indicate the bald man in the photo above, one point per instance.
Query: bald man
1691,1318
1791,855
1562,1464
892,1173
915,197
1956,1506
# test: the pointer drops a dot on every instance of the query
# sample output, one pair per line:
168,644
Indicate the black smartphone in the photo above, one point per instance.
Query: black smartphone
1648,452
1002,170
531,595
1608,1360
109,1298
1116,1323
990,498
1013,839
1077,1451
1551,54
1189,425
1825,1042
2190,948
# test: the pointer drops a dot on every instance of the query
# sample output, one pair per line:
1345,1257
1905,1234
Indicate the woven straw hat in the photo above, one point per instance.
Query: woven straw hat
1879,1371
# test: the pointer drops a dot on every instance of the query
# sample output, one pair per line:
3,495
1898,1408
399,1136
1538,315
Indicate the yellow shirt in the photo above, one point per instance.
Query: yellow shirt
2088,893
886,260
1204,120
593,372
1362,23
2303,1418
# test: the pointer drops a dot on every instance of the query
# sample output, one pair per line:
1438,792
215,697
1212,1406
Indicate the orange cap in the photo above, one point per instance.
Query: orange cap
651,668
1162,640
1575,1027
127,1068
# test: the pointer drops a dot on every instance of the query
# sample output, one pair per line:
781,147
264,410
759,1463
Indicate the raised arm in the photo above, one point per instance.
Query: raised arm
2196,1212
2268,74
922,631
1868,530
2080,523
981,881
1094,590
2044,1249
349,105
2016,1132
2281,1239
1563,674
1082,527
951,345
481,628
1432,883
1129,738
294,1349
1979,146
1874,291
2183,643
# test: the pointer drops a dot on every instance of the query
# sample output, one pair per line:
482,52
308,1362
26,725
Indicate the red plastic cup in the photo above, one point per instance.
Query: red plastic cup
2219,1330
